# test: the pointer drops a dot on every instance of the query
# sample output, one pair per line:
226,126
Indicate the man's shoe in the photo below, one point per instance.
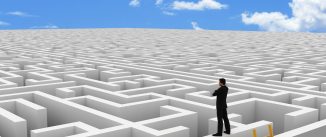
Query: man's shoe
227,132
217,134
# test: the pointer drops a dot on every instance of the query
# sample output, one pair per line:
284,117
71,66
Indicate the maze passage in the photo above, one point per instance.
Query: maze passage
159,83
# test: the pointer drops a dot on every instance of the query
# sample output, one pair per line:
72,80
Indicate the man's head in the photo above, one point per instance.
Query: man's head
222,81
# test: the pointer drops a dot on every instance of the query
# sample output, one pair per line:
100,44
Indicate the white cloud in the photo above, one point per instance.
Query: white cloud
20,14
158,2
307,15
200,5
168,13
2,23
134,3
50,26
195,26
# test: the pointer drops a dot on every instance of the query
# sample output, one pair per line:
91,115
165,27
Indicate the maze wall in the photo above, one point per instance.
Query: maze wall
158,83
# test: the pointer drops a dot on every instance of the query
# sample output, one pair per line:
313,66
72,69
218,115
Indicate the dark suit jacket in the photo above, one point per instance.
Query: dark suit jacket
221,94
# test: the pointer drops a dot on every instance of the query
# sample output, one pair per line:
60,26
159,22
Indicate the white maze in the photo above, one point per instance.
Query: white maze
158,83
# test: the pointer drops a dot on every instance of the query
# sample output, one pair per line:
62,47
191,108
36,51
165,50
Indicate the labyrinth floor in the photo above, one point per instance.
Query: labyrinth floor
158,83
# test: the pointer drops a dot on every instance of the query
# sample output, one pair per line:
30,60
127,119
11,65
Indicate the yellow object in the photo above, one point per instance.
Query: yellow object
270,129
254,133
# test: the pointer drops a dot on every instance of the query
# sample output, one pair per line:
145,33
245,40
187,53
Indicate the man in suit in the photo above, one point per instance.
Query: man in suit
221,106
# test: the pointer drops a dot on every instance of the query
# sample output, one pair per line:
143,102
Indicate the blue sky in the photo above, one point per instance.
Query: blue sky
29,14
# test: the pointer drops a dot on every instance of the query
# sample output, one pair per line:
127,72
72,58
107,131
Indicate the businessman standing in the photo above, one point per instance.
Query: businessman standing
221,106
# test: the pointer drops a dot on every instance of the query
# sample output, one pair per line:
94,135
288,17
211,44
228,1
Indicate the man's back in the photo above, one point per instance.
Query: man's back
221,95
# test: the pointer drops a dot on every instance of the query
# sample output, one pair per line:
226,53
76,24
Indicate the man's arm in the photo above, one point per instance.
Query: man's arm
217,92
214,94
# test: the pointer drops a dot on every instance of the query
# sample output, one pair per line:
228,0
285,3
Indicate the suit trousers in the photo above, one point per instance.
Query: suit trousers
222,115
